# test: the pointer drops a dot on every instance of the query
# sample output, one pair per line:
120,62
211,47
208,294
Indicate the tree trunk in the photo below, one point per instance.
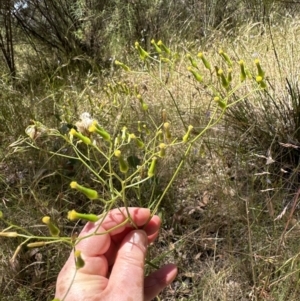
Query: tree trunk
6,35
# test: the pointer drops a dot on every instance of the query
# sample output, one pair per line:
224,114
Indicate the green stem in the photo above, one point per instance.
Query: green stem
209,125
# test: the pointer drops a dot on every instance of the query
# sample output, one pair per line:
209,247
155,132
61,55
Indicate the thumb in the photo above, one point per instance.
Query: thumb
127,276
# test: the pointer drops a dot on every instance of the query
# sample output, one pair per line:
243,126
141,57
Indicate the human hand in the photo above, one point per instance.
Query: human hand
114,262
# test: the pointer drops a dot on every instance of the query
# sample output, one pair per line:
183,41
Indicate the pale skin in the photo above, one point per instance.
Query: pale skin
114,262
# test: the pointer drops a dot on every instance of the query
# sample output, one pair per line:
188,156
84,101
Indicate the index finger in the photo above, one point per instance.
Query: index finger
116,217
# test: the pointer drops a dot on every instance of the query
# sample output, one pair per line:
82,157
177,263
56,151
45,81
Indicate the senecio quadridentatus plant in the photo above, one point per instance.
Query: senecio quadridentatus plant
111,148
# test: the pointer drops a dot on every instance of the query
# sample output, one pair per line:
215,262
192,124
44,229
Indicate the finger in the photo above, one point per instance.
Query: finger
95,245
152,230
70,280
94,240
128,270
91,249
158,280
117,216
70,284
95,265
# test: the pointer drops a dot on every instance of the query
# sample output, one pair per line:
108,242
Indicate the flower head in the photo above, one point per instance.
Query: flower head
74,215
53,229
90,193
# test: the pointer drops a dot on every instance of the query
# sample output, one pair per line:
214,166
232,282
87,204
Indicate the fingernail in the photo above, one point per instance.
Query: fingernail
139,238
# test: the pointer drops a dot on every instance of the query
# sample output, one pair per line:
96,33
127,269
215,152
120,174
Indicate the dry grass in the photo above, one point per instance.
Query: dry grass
217,221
